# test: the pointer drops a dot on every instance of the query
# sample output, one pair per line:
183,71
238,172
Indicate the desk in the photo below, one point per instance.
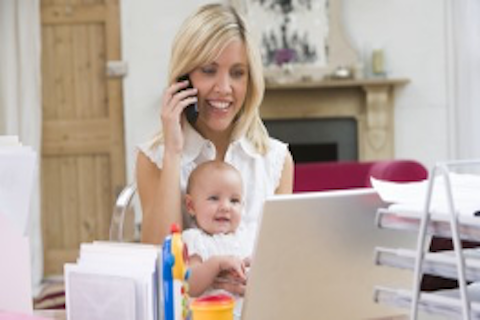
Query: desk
402,317
51,314
61,315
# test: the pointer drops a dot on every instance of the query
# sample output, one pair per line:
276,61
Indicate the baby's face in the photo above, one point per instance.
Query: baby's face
217,202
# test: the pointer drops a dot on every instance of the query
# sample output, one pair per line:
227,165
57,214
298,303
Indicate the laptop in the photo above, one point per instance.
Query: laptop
313,258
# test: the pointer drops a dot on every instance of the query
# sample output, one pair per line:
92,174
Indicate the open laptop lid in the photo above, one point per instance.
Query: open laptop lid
314,258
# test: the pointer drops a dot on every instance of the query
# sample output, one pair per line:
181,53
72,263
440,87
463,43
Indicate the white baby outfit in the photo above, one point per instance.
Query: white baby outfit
205,245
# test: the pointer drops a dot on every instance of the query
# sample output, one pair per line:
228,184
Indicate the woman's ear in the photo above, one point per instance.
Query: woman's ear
189,204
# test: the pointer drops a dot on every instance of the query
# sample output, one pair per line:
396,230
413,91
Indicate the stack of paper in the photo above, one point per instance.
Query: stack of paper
17,171
114,281
411,196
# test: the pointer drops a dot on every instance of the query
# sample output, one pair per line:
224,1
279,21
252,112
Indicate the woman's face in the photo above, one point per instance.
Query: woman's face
222,86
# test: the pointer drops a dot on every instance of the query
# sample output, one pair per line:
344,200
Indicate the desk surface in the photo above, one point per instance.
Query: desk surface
51,314
61,315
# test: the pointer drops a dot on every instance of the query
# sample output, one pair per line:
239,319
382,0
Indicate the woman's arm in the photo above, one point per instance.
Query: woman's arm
203,274
286,180
159,190
159,197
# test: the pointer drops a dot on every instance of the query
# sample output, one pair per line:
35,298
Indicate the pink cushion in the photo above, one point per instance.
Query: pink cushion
397,171
321,176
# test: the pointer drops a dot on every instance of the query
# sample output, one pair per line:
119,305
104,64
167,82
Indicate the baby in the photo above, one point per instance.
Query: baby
217,247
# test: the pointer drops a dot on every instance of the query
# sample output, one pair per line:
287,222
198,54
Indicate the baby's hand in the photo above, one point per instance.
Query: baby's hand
232,276
233,266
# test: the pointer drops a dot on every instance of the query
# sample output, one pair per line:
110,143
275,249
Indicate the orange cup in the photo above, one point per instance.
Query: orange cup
215,307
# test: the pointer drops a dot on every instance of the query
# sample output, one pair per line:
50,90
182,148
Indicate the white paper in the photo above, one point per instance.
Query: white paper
17,169
99,297
9,141
114,263
17,166
15,276
465,190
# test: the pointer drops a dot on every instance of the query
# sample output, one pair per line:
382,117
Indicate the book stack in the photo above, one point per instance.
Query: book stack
112,280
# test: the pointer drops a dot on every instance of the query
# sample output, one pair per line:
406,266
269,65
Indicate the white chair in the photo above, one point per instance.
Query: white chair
123,207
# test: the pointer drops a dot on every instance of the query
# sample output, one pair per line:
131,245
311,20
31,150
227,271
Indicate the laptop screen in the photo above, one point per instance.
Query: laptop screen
314,258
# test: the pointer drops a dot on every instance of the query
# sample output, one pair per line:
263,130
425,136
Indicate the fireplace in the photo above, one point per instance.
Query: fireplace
365,106
313,140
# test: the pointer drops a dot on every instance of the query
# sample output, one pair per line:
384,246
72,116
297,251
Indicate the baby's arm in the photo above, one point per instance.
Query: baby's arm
203,273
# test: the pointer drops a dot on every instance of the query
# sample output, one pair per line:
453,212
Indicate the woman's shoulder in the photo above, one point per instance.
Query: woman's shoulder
153,150
275,145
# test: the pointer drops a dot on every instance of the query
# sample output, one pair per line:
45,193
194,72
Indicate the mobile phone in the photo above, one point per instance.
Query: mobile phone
191,111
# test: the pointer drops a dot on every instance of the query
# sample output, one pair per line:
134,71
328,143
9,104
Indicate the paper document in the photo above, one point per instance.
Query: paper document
15,276
17,170
17,166
114,281
412,195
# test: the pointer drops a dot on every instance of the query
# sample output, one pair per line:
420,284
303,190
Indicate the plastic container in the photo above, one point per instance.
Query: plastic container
215,307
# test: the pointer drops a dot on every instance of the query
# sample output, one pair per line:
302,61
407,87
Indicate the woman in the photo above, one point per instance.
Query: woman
215,49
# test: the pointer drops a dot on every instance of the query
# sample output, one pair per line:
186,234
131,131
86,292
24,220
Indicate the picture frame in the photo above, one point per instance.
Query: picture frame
300,40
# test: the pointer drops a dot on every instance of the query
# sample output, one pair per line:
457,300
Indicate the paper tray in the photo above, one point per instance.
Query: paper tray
433,303
439,263
439,225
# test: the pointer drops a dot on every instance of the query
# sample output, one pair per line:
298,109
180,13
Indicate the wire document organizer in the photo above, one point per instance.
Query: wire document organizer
461,264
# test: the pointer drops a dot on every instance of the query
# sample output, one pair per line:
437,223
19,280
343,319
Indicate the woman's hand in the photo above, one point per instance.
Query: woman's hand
175,100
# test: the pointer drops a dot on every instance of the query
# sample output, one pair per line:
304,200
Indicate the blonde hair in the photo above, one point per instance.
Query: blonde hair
200,40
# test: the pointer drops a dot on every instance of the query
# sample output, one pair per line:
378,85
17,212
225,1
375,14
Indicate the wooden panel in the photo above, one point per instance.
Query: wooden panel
76,137
79,191
82,139
75,85
114,95
51,3
55,259
73,14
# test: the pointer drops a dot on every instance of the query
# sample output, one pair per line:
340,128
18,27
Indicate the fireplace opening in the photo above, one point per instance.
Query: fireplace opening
313,140
305,152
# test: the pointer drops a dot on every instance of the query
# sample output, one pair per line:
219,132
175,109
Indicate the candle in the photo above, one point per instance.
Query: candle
378,63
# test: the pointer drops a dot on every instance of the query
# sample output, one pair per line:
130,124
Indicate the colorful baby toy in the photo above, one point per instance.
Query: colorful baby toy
175,276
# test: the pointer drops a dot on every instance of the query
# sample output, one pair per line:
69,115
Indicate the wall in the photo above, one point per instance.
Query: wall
413,34
148,29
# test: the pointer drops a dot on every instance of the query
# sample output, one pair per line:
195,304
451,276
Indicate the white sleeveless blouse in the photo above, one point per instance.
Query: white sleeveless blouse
260,173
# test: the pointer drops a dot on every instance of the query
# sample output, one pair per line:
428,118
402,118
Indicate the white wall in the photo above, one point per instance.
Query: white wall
148,28
413,34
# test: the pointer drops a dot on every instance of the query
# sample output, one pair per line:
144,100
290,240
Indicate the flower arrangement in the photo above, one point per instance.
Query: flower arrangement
284,55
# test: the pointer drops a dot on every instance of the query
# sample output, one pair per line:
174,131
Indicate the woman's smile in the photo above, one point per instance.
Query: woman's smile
220,105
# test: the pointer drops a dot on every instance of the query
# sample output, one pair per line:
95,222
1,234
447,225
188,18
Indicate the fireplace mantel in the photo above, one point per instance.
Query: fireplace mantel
369,101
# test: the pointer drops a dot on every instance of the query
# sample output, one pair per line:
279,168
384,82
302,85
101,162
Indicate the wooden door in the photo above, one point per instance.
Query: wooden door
83,162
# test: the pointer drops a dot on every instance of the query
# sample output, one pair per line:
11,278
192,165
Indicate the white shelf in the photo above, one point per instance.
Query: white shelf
435,303
439,225
441,264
